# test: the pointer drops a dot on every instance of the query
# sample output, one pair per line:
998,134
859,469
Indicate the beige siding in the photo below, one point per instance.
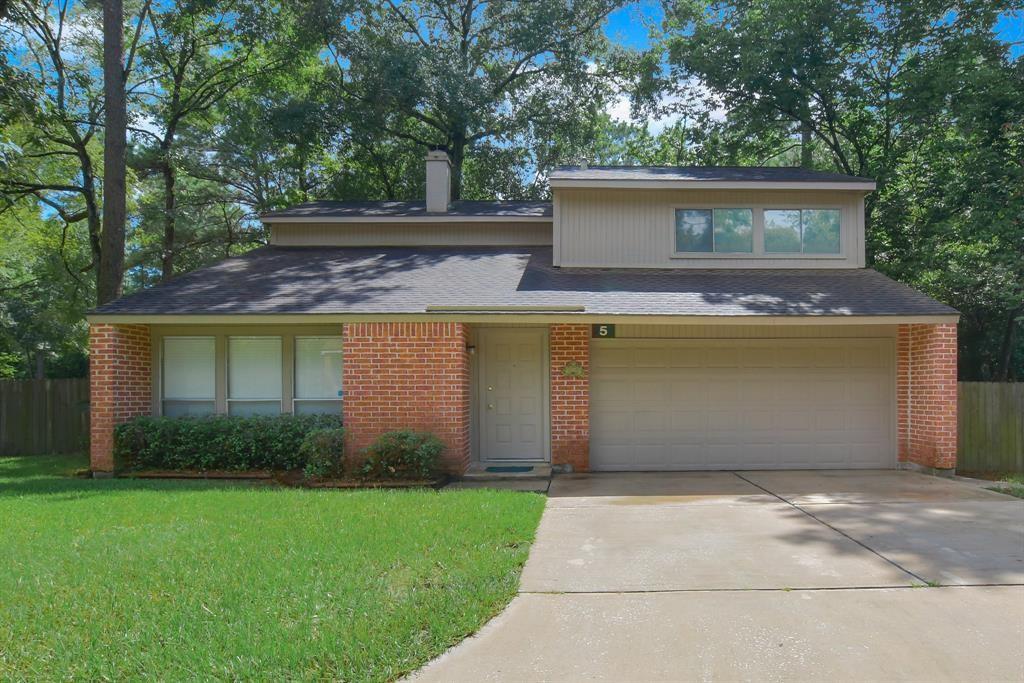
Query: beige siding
752,331
623,228
410,234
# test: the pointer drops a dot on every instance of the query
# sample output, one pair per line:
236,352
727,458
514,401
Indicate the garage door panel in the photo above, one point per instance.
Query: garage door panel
735,404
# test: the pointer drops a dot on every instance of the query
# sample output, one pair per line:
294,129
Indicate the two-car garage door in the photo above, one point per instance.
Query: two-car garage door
742,404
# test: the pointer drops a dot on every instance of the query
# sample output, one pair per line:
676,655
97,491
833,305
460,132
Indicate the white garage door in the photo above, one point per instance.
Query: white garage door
742,404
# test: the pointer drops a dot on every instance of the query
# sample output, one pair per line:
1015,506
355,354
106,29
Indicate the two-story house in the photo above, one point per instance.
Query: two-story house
645,319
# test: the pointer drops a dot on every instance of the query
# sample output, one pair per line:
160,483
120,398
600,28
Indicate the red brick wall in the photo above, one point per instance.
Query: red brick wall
407,375
926,394
120,376
570,397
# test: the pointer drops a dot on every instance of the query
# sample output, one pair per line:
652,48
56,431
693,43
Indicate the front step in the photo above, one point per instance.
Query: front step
491,472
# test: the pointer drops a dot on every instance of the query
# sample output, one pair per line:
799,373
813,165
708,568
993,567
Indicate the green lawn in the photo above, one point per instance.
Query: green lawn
122,579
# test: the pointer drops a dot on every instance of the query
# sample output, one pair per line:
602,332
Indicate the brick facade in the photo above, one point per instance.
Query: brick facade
120,381
570,397
926,395
408,375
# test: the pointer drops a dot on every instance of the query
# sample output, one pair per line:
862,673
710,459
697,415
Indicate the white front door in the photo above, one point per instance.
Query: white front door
512,398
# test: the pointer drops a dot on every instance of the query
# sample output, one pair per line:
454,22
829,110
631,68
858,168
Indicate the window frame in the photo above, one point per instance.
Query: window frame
161,371
229,401
759,254
221,332
713,253
802,253
339,400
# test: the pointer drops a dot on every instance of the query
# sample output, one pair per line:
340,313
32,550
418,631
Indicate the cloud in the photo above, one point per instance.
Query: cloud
670,108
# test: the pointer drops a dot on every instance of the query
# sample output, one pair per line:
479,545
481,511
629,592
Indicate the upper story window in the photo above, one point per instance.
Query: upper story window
729,231
757,231
801,231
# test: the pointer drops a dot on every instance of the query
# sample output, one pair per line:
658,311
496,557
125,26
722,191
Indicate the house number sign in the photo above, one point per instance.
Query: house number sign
602,331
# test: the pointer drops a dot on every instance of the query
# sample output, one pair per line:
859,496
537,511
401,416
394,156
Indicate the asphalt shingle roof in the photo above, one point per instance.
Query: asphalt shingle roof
388,209
708,173
292,280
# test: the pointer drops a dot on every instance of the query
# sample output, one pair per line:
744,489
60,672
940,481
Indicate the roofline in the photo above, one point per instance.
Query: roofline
670,184
513,315
429,218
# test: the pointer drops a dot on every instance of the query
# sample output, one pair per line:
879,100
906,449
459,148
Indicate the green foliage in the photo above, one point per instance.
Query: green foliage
402,454
218,442
323,451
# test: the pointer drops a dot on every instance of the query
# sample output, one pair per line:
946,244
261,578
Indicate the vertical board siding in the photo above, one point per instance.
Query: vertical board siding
39,416
991,427
622,228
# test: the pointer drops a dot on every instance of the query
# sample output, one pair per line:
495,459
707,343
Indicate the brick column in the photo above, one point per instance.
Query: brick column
570,397
407,376
926,395
120,381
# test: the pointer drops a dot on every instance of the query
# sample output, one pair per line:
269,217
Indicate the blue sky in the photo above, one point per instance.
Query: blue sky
628,26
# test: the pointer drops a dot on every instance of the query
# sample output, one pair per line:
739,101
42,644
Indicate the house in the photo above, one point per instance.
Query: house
645,319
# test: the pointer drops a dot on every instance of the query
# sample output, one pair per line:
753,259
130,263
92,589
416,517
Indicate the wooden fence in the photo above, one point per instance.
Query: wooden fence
991,427
40,416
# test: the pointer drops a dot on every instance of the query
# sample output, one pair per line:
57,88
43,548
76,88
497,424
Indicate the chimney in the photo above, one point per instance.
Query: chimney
439,181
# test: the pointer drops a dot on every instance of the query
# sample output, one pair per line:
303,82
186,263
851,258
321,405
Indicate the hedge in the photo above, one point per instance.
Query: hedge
217,442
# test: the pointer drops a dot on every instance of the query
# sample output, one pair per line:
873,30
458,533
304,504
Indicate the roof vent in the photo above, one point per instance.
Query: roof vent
584,165
439,181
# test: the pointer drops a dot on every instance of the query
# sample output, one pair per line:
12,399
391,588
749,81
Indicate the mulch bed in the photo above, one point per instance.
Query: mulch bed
297,479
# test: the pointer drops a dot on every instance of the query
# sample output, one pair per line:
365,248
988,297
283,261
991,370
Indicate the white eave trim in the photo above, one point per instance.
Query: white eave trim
430,218
567,183
499,315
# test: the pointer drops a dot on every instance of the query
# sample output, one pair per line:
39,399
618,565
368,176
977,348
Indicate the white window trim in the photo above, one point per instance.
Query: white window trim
758,253
801,209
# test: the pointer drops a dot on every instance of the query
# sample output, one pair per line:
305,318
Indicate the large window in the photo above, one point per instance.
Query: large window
801,231
317,375
254,375
188,377
729,231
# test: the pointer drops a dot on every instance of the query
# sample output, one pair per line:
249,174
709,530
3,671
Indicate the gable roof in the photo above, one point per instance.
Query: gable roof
373,280
384,210
703,176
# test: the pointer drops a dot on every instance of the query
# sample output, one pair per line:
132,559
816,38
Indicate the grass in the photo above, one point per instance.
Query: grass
1012,484
115,579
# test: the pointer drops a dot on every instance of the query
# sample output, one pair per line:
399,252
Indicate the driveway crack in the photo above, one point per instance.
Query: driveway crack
838,531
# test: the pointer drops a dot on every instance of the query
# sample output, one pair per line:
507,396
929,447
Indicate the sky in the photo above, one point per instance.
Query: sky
628,26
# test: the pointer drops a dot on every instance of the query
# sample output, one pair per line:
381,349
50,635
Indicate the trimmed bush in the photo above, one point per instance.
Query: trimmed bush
217,442
402,454
324,451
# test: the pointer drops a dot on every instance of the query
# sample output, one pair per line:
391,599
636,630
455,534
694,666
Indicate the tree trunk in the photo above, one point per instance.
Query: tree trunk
110,276
40,364
806,156
457,154
167,255
1006,352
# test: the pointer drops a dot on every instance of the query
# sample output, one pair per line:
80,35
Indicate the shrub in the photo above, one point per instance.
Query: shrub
402,454
217,442
323,450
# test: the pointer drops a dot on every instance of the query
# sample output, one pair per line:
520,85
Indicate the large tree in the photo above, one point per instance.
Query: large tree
917,94
467,73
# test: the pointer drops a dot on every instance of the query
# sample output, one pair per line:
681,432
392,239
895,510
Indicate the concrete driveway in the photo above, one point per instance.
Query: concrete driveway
761,575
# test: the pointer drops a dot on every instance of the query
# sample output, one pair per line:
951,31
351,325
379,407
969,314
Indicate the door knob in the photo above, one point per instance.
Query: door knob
490,406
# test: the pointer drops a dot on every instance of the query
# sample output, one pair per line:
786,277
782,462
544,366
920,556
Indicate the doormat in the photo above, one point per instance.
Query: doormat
510,468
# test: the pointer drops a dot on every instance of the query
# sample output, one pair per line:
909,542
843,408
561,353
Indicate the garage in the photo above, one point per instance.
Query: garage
702,404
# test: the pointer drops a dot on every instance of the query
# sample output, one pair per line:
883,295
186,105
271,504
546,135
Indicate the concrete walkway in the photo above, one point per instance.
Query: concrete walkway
761,576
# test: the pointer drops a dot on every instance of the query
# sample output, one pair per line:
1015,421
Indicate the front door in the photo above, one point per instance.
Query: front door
513,400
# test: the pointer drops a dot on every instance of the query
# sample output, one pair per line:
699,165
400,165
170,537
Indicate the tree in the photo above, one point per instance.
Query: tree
459,74
892,90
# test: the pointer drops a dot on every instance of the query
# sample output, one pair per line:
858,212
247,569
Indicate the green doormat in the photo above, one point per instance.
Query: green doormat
510,468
